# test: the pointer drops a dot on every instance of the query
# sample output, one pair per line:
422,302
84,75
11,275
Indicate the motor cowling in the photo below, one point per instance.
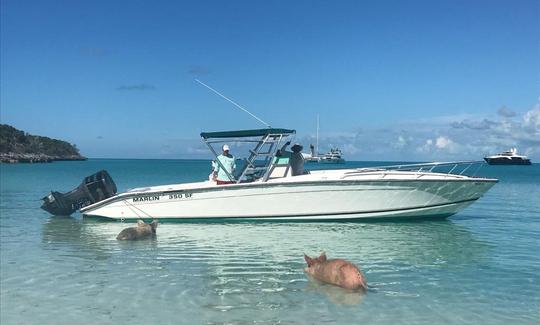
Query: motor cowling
94,188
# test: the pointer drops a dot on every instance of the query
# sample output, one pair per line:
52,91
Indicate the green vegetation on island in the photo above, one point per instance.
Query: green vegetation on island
19,146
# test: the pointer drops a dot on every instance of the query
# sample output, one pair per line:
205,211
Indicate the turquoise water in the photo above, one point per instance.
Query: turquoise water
481,266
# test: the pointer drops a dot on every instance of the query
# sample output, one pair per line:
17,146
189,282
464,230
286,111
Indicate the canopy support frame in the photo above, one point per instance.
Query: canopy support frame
271,139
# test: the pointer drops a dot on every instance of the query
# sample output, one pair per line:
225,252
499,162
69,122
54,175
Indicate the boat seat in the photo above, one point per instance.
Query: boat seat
280,168
280,172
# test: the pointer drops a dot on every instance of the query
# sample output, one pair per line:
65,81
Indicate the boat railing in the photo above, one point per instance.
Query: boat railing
462,168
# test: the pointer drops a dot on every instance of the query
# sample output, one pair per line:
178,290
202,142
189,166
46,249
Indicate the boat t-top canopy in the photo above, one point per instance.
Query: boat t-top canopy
245,133
258,163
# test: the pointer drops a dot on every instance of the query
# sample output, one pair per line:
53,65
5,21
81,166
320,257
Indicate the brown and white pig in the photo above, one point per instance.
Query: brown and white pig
142,231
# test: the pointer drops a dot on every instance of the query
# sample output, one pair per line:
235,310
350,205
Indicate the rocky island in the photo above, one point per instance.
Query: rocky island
19,146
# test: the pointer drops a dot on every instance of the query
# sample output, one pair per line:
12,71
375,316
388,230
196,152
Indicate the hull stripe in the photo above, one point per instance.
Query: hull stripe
322,214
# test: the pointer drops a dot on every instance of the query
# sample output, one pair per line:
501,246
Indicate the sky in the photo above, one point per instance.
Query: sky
390,80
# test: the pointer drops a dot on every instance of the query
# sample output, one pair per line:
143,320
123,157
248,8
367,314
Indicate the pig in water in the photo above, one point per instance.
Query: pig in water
337,271
142,231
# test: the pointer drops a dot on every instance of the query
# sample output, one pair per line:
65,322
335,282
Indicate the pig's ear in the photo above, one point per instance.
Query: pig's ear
322,257
154,224
309,260
140,223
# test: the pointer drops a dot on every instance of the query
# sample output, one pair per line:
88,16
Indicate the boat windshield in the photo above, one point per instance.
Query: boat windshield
254,150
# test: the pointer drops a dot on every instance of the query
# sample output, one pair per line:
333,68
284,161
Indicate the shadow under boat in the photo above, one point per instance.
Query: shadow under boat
422,242
437,244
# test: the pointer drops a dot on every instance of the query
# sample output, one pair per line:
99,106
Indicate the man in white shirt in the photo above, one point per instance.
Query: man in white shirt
225,164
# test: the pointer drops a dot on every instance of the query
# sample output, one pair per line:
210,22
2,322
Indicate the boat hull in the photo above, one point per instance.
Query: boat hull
332,161
343,200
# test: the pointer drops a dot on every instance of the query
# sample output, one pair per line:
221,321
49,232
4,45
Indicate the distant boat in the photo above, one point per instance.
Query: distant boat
509,157
334,156
312,156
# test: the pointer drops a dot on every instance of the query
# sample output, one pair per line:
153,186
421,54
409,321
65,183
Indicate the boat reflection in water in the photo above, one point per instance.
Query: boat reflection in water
250,258
426,243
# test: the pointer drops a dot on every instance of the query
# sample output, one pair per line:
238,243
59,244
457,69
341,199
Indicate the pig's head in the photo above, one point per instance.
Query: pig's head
313,262
147,226
154,225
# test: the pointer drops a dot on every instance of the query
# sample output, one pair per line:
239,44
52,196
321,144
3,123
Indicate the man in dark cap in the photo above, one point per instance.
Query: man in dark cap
297,160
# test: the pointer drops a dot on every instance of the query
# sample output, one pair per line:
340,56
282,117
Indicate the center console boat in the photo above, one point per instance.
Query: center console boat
264,188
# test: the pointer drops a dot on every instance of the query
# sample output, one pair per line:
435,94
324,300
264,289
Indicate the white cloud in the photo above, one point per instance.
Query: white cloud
531,120
464,137
426,147
443,142
447,144
438,146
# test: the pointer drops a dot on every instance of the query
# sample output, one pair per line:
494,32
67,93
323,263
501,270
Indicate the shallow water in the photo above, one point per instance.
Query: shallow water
481,266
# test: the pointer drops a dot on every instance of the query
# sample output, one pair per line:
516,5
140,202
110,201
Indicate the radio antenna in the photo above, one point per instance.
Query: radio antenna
233,102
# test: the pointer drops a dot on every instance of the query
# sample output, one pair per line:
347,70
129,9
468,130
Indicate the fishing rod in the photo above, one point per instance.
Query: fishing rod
233,102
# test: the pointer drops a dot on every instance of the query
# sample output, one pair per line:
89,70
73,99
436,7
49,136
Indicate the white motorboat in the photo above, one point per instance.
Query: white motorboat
265,189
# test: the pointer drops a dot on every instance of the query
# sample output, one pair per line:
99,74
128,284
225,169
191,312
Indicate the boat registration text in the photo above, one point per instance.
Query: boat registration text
173,196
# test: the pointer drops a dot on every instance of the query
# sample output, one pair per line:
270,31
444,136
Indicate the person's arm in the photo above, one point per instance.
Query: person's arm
285,145
217,166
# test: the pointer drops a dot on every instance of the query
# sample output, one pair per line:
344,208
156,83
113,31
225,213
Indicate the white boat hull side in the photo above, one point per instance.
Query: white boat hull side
298,201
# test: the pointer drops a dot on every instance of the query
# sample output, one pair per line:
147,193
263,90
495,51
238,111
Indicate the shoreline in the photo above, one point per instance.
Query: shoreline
14,158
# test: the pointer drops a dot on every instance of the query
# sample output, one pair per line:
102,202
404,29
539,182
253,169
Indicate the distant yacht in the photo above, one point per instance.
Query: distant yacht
509,157
334,156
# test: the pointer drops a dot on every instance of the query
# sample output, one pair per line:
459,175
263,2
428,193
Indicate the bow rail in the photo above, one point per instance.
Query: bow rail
448,168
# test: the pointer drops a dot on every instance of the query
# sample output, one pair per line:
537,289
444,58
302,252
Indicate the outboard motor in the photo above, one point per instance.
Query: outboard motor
94,188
